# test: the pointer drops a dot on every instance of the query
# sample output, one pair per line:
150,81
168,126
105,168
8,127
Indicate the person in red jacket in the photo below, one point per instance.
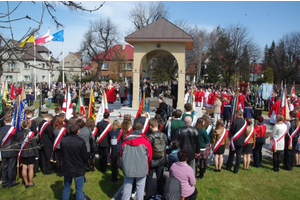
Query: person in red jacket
202,97
197,97
275,111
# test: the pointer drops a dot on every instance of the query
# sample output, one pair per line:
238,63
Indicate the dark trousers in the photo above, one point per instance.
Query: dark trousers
159,171
45,160
8,170
122,99
276,160
238,151
257,154
174,104
103,153
289,155
193,196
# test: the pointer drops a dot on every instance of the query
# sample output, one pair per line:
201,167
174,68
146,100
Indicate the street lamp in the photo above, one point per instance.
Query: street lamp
81,71
236,52
253,71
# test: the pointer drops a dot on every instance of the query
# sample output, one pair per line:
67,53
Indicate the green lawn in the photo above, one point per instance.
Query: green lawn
256,183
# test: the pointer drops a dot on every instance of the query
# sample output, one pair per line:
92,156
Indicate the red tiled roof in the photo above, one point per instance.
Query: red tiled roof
127,52
88,67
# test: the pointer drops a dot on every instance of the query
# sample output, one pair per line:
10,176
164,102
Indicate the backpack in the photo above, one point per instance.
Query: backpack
159,146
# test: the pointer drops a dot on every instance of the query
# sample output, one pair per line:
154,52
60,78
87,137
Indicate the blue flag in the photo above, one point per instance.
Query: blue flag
58,36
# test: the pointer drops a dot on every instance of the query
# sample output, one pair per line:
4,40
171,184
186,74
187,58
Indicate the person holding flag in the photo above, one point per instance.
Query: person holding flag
79,106
237,135
9,158
103,141
91,106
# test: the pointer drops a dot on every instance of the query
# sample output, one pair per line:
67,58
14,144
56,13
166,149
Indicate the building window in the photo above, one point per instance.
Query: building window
188,77
105,66
127,78
43,65
9,78
27,78
11,66
26,65
104,77
127,66
43,77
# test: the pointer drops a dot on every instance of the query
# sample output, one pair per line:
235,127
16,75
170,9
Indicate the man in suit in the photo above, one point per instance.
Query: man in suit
162,109
46,137
174,92
74,156
9,158
237,133
104,145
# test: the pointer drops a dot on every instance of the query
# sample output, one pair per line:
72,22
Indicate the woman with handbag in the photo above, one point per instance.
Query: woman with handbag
260,130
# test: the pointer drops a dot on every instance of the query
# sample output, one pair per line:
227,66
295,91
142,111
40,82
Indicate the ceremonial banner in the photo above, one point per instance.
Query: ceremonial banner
267,89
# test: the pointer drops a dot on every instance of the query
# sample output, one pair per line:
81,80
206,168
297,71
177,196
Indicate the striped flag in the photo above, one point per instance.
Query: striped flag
67,105
143,104
293,92
103,108
235,107
91,105
79,106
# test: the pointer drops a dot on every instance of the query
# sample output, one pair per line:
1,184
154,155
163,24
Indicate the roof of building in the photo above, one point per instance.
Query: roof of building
28,52
88,67
161,30
114,53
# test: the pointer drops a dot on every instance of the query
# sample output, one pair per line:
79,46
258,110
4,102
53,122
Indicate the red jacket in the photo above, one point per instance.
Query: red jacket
260,130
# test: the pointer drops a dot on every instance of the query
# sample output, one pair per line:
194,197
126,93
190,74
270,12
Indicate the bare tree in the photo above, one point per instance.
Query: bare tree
100,37
144,14
228,50
9,47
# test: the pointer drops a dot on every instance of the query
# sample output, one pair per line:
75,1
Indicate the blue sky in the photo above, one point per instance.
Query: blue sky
266,21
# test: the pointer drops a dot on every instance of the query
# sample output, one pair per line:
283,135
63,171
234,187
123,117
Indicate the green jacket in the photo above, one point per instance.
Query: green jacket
204,138
175,124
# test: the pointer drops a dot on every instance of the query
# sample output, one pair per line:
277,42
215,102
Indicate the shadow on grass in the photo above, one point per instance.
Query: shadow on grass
57,189
107,186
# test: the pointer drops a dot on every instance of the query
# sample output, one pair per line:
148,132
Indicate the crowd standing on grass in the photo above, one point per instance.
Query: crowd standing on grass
175,141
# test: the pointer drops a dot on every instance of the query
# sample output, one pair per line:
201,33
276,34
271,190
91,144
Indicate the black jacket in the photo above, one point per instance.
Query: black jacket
31,149
189,140
162,109
4,130
106,140
236,125
292,129
74,156
33,127
47,139
140,119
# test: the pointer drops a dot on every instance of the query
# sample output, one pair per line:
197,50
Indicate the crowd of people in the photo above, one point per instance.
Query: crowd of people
181,144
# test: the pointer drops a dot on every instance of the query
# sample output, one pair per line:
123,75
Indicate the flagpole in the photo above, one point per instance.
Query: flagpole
34,59
63,73
49,57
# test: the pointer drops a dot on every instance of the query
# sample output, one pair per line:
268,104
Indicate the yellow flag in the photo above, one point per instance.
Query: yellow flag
91,112
29,39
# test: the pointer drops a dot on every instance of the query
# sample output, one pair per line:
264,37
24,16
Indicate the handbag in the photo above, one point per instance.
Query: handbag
261,140
93,144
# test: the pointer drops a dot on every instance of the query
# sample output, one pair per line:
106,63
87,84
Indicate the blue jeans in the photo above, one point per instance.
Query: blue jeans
79,181
50,100
130,100
140,188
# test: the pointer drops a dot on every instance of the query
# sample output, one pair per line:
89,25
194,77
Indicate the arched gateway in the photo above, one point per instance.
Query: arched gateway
158,38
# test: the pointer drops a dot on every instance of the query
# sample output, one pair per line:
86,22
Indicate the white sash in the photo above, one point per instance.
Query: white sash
25,142
217,145
290,146
103,134
238,134
8,135
43,128
95,131
146,125
249,136
58,138
274,142
208,129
